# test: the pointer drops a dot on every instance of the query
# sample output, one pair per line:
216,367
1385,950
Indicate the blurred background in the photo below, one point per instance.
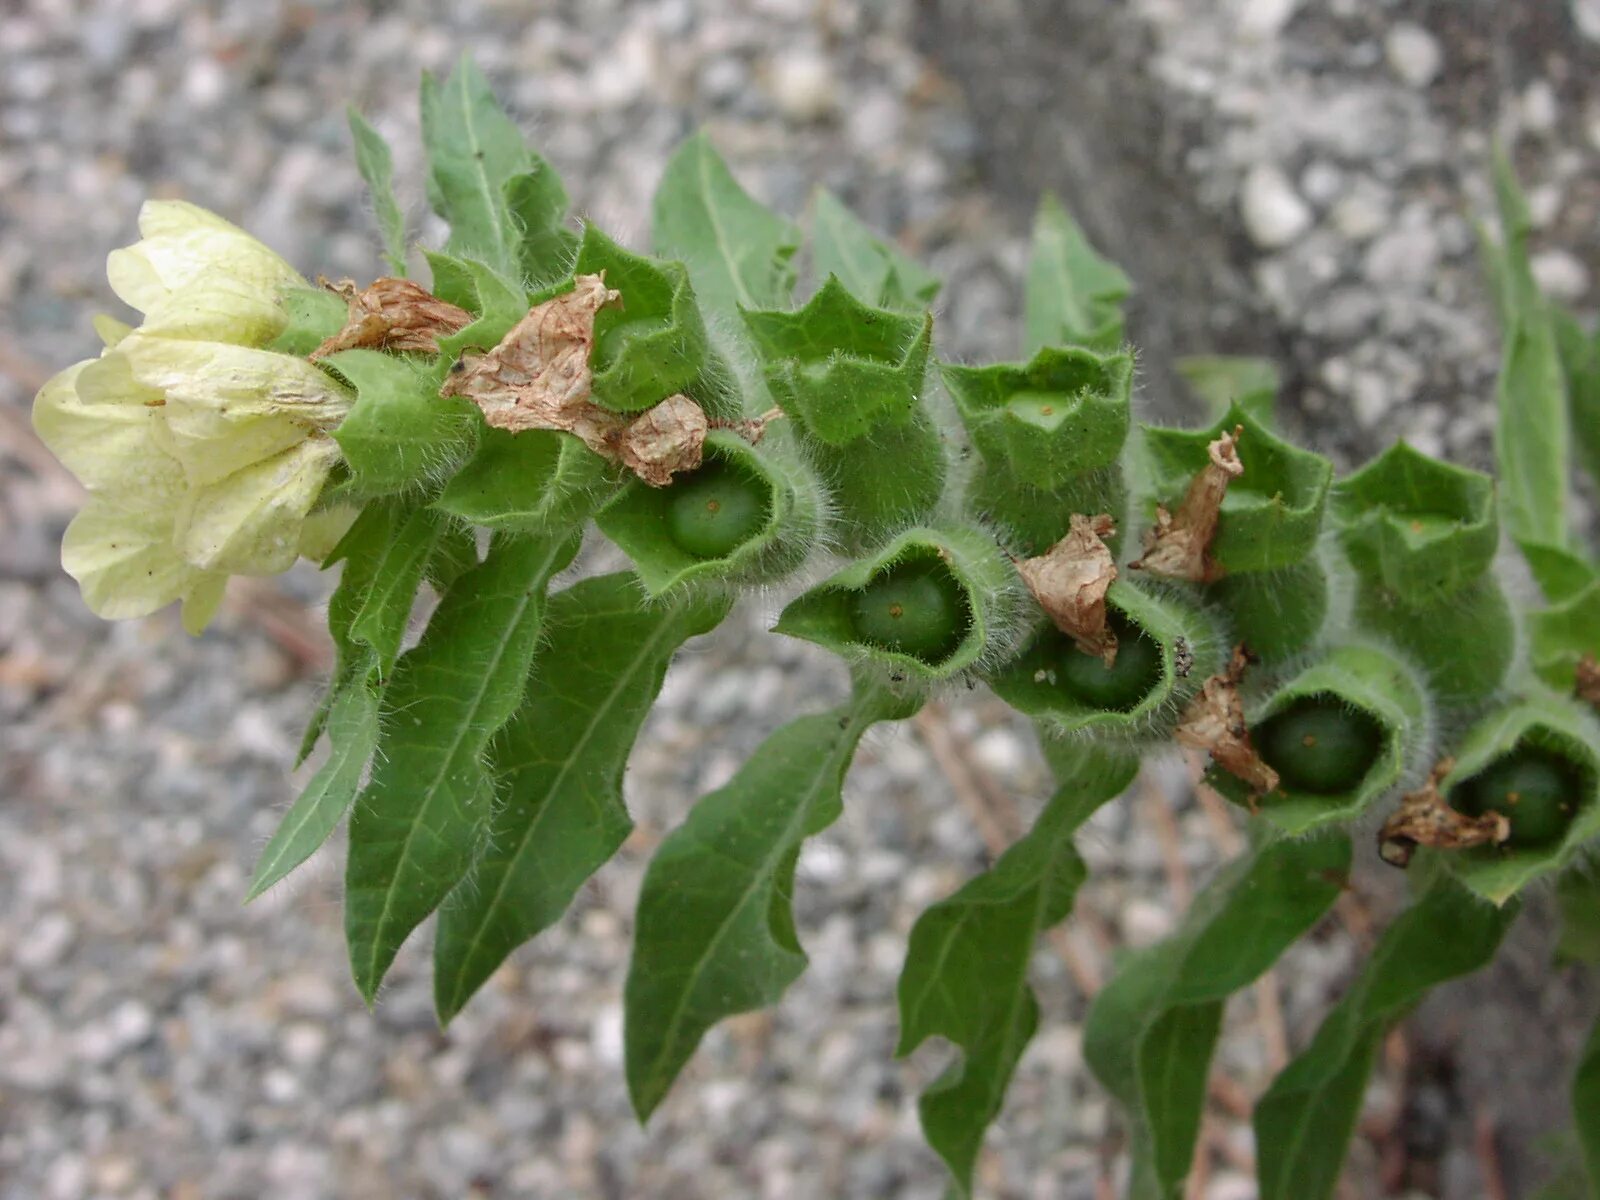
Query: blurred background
1295,178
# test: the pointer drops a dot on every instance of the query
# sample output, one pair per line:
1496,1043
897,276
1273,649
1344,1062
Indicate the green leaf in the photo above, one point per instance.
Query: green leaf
1531,435
1057,416
1150,1033
381,620
420,819
352,728
401,433
498,303
559,761
1563,634
737,250
1586,1107
1074,296
376,165
538,204
876,272
474,149
527,481
1223,380
715,934
315,314
1304,1122
966,972
1578,898
1531,396
1580,363
1561,574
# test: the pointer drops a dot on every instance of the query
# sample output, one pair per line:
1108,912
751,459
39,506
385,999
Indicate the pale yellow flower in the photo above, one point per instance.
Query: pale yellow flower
203,454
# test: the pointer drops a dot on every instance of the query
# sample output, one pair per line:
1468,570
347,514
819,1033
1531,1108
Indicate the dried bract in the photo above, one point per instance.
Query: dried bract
1214,721
1178,545
392,314
1070,581
538,377
1425,819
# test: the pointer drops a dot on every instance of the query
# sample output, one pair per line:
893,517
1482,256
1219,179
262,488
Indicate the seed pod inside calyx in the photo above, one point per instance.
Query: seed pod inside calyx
933,602
1165,646
1537,791
748,514
1333,739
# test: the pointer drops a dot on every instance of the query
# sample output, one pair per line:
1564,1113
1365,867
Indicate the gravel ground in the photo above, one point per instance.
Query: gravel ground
159,1040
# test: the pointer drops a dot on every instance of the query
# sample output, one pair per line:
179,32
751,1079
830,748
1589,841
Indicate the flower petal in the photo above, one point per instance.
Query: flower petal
324,529
227,407
105,427
250,522
119,549
201,602
195,275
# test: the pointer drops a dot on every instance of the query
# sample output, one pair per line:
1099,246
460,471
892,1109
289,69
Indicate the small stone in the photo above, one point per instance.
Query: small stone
45,942
1586,16
1405,256
1274,214
1413,53
605,1035
803,85
1263,19
1144,922
1540,109
1560,275
1359,216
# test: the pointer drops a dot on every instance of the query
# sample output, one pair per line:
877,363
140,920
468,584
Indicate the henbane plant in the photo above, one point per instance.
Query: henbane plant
1361,662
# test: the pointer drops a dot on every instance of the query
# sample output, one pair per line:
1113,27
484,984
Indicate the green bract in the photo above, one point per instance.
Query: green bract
489,680
1419,528
1058,416
956,593
1565,738
850,377
1272,514
1361,695
653,344
778,516
1052,682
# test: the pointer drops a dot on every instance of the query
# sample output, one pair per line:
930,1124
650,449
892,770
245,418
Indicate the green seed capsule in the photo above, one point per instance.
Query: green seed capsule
1537,790
716,510
914,608
1319,745
1121,686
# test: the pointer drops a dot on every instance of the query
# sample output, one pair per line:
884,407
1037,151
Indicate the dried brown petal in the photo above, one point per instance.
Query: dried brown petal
392,314
667,438
1425,819
538,377
1214,721
1588,686
753,429
1070,580
1178,546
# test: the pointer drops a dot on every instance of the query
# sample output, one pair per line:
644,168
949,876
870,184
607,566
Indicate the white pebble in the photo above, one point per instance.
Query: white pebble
1144,922
1414,54
1262,19
1274,214
1560,276
803,86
